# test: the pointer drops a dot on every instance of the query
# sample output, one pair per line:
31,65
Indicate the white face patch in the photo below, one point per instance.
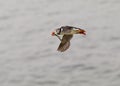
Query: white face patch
58,31
61,29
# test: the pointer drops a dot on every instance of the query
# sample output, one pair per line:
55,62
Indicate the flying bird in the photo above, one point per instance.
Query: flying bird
67,32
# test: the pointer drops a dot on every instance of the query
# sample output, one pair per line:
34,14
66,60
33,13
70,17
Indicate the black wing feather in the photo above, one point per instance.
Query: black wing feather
65,43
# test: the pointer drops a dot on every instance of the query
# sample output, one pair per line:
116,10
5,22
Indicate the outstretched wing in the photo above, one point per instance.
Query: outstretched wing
65,43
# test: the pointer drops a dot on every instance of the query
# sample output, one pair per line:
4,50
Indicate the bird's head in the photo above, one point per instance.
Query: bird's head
56,32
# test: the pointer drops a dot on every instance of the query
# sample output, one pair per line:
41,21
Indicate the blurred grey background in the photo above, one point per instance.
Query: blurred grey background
28,55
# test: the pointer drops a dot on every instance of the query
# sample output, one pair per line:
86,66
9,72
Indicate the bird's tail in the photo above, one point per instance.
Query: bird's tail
63,46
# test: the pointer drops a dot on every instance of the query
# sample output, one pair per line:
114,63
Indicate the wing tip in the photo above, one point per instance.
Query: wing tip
63,47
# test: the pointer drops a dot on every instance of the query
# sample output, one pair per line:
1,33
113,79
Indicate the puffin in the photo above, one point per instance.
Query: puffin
67,33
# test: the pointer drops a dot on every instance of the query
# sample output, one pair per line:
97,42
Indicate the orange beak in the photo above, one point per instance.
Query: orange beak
53,33
82,32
